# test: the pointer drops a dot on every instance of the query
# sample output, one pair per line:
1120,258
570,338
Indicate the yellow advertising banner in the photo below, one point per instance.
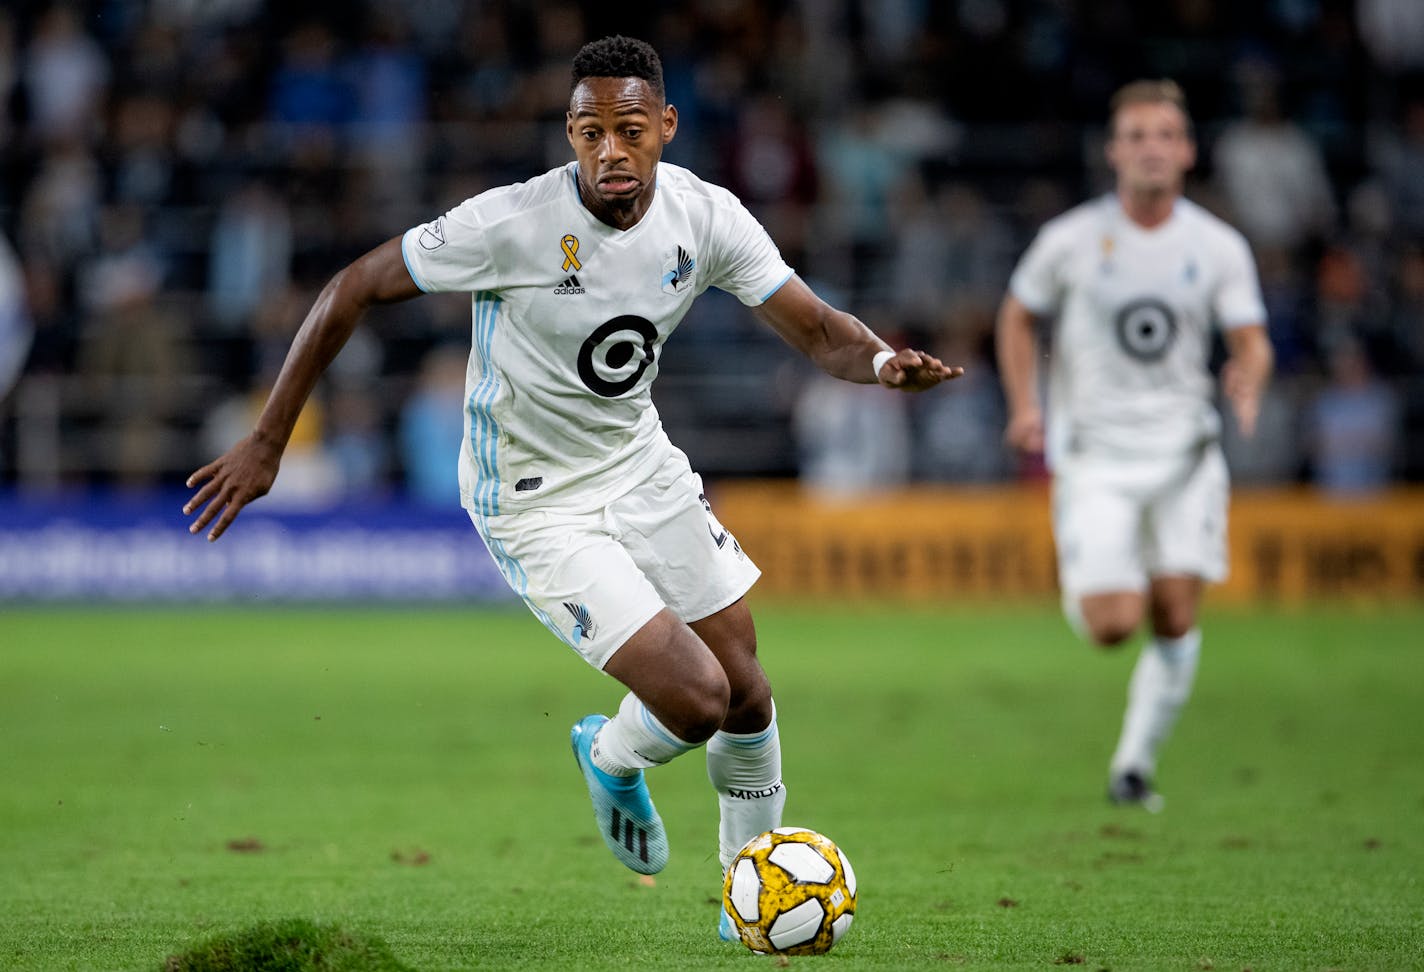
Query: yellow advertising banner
935,543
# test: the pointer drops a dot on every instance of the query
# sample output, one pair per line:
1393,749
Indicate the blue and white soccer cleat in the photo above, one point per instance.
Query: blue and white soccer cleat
622,807
725,929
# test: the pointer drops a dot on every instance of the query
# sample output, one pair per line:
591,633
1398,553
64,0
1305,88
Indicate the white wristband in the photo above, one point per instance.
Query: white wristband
878,362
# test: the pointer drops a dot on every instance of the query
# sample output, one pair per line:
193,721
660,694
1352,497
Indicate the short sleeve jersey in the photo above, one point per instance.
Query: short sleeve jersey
1134,312
570,316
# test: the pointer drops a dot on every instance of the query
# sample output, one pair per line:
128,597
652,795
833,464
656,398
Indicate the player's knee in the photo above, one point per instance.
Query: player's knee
1111,632
703,705
749,708
1109,620
1110,628
1172,622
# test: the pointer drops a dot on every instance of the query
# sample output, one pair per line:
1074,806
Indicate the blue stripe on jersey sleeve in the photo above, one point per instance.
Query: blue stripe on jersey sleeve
779,285
405,241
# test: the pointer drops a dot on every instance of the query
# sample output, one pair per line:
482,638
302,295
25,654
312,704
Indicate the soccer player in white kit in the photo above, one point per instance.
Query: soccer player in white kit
1135,282
578,276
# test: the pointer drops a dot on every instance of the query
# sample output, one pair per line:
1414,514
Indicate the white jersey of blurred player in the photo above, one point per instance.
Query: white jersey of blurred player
1136,283
1134,311
569,317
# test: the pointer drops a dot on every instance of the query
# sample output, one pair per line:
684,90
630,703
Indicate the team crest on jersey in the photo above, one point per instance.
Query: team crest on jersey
432,235
678,271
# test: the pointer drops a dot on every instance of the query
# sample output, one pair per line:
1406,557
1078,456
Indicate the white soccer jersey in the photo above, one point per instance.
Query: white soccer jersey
569,317
1134,311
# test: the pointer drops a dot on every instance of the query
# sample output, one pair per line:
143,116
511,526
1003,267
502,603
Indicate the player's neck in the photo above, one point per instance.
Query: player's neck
1148,210
623,215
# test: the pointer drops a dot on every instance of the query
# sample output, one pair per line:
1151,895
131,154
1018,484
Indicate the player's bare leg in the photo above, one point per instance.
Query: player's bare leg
1160,685
677,699
1111,617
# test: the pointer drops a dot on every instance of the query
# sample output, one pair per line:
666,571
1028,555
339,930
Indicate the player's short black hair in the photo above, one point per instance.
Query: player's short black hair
619,57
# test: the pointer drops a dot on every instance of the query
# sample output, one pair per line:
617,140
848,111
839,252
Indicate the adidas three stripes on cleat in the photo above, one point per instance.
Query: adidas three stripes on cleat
622,807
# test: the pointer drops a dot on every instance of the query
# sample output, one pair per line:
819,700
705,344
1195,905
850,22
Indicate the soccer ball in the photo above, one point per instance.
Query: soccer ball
790,891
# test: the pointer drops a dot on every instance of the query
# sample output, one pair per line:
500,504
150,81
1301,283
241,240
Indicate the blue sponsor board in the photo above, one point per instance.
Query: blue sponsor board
88,548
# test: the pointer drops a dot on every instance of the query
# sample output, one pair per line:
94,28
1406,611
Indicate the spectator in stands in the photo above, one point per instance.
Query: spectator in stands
355,442
65,75
959,436
1407,306
1271,171
134,351
948,240
431,424
1398,157
249,253
16,327
850,444
1354,426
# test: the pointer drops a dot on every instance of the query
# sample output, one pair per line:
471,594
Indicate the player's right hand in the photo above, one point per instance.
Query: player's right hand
1025,432
237,477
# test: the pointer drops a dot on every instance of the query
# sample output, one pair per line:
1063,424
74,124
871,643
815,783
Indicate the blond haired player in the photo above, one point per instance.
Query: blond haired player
1134,283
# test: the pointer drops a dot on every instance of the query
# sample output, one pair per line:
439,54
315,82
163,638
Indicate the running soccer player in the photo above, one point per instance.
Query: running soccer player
578,276
1135,281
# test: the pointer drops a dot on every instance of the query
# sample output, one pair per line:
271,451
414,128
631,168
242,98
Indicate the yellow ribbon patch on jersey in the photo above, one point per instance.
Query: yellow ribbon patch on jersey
569,244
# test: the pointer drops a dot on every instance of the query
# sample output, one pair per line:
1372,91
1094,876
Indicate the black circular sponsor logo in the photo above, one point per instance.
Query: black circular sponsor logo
605,358
1146,329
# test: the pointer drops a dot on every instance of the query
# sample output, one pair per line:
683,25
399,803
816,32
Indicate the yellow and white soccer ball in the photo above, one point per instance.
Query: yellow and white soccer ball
790,891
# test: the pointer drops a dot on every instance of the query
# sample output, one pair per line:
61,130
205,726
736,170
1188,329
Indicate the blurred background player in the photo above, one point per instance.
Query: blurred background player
1135,281
579,275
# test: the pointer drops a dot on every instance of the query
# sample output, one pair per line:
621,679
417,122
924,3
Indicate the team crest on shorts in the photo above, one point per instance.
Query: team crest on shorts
583,621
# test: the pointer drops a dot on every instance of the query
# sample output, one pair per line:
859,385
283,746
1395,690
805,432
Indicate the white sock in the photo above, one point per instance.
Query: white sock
746,770
1159,688
1073,614
634,739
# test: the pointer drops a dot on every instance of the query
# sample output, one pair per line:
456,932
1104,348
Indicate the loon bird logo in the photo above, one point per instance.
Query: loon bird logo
583,621
677,271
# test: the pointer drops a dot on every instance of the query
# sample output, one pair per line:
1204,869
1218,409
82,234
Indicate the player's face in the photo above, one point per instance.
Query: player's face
1150,149
618,127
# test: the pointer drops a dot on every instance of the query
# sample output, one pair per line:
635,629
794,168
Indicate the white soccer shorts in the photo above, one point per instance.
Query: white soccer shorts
1118,523
595,578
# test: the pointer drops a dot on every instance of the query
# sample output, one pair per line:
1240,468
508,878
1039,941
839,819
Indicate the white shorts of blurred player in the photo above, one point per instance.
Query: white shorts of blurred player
595,578
1118,523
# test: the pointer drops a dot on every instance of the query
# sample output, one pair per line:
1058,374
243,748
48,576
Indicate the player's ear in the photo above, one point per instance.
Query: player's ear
569,126
669,123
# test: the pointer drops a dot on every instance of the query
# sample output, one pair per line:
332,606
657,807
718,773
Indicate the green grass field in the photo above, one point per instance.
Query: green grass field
172,775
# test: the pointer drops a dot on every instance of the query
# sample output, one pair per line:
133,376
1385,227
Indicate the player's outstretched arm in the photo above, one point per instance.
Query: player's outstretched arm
842,346
1016,346
1244,376
247,470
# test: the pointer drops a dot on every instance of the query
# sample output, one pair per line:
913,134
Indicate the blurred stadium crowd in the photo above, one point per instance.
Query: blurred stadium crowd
181,176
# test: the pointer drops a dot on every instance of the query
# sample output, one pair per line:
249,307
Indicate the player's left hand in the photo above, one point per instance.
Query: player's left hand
1243,390
915,371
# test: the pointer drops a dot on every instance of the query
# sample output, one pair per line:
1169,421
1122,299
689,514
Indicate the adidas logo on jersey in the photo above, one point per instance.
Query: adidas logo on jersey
570,285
